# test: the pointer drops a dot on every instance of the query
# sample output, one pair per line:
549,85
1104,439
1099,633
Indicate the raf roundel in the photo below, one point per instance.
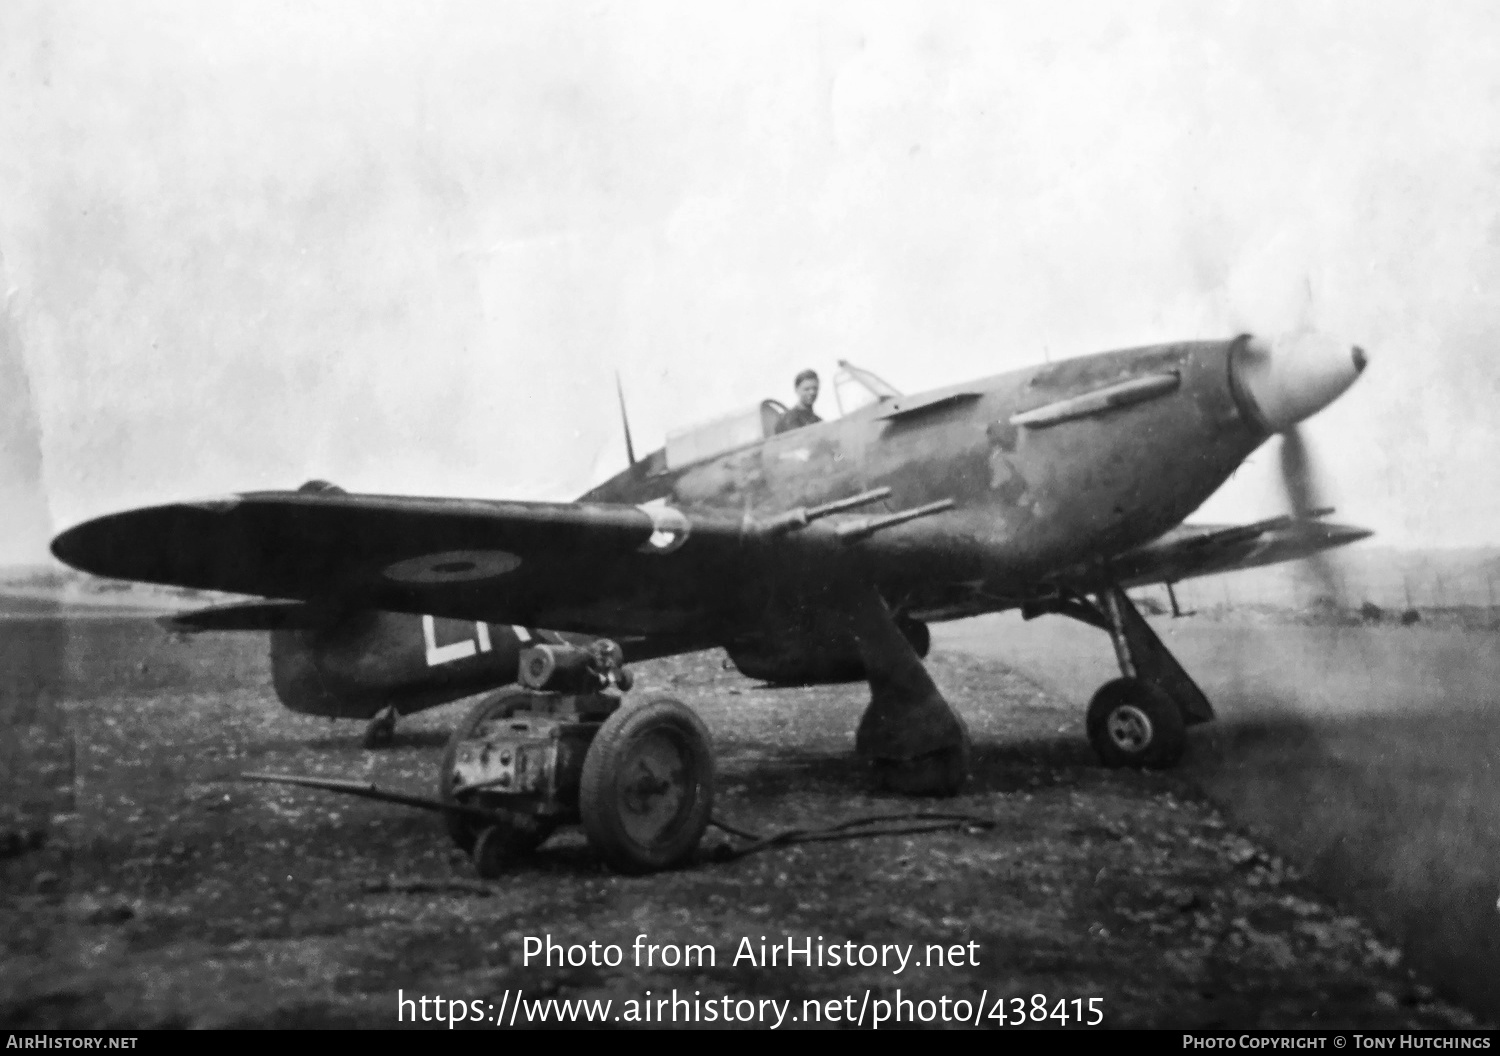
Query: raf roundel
454,566
669,529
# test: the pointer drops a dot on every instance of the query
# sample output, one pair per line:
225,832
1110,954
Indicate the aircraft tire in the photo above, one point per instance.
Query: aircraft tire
381,732
646,793
1134,724
939,773
499,846
501,705
917,633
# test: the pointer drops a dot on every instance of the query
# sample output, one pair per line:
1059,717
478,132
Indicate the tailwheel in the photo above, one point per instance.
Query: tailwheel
647,786
502,705
381,730
1133,723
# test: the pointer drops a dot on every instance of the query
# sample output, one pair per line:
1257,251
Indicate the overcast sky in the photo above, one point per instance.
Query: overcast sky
406,246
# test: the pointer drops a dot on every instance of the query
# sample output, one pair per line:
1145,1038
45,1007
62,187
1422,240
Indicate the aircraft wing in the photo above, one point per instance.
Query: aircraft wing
1203,550
591,567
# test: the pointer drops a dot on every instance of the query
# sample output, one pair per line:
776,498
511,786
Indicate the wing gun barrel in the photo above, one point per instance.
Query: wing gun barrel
863,529
802,516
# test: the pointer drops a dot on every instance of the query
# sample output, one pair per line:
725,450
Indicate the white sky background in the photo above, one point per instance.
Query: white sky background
405,246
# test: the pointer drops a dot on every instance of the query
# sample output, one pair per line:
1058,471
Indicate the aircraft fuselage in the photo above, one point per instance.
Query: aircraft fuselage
1032,496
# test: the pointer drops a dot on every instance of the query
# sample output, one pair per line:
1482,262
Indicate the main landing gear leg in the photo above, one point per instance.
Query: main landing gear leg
1140,719
917,744
382,728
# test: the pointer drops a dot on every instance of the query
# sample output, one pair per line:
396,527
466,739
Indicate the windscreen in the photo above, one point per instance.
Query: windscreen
854,388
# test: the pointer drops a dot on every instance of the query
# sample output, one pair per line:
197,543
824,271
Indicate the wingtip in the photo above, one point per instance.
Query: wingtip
94,546
72,547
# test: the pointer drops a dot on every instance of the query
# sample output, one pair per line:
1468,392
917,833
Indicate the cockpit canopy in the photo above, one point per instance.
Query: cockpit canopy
853,388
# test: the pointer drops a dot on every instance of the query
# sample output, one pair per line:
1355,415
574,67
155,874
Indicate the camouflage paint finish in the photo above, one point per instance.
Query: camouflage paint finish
1030,500
1034,501
358,664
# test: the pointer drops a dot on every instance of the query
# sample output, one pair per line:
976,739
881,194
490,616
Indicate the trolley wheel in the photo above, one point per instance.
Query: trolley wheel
1133,723
499,846
501,705
647,787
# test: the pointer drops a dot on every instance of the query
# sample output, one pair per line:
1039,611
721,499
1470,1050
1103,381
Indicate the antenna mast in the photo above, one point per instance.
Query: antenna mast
625,420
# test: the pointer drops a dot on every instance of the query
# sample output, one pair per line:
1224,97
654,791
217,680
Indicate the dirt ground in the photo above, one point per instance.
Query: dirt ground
169,893
1366,754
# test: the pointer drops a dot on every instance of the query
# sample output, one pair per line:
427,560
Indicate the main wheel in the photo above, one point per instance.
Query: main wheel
523,835
1133,723
647,787
917,634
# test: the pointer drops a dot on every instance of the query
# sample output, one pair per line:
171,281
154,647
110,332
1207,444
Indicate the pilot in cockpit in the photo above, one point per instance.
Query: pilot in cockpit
802,414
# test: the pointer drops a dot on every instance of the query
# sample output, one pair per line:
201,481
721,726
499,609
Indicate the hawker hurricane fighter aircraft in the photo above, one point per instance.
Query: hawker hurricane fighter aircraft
816,555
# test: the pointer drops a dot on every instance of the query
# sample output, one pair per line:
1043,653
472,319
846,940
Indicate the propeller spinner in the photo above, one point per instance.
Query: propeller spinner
1281,383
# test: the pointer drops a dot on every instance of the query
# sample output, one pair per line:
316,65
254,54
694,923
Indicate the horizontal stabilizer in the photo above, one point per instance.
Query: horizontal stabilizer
248,616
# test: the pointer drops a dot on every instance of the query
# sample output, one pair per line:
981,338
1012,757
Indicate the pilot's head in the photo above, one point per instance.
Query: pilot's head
807,388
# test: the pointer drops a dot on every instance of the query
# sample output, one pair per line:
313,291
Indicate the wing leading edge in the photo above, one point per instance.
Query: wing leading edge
590,567
1203,550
